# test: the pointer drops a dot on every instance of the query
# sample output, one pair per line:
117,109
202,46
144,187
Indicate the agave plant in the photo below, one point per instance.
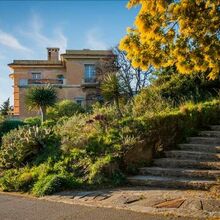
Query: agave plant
20,146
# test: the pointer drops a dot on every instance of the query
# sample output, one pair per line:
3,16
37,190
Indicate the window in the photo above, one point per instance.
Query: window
89,72
79,100
23,82
36,75
49,55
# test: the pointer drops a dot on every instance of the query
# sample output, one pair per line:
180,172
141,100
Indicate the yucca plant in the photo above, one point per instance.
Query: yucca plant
111,90
41,97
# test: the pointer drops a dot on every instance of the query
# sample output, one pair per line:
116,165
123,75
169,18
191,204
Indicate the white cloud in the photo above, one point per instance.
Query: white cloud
94,39
10,41
35,33
11,48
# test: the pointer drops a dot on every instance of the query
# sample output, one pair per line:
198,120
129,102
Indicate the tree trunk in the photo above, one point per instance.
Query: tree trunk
43,114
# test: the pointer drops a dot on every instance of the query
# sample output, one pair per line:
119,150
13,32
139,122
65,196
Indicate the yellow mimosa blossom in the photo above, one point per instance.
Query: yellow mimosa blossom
183,33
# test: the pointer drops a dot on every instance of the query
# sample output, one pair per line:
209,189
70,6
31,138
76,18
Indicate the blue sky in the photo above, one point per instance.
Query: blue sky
28,27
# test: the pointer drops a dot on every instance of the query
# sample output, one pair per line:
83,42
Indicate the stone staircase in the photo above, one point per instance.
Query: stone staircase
195,165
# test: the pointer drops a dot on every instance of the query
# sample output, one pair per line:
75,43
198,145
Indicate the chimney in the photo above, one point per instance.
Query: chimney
53,54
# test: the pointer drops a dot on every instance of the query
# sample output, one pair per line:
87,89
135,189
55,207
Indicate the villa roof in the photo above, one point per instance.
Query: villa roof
35,62
86,53
70,54
89,52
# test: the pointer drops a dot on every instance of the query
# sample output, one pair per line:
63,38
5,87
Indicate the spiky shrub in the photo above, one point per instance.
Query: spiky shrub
20,146
112,90
41,97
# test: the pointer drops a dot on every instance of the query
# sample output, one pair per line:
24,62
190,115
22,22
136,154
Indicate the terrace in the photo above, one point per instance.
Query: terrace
26,82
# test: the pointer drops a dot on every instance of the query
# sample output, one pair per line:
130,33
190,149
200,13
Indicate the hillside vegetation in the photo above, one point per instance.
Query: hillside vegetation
95,148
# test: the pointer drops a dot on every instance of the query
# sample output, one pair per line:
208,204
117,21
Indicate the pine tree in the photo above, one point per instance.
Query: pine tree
5,108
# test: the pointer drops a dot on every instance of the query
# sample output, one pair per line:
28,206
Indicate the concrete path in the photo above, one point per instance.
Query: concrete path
183,203
23,208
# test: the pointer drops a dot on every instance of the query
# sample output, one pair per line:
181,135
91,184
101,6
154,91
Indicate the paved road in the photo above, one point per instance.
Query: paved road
22,208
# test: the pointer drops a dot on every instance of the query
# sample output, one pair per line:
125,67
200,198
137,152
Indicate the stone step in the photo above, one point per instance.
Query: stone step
180,172
209,133
204,140
202,156
200,147
215,127
195,164
170,182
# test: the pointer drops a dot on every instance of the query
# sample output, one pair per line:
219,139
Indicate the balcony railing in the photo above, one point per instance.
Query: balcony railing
45,81
89,82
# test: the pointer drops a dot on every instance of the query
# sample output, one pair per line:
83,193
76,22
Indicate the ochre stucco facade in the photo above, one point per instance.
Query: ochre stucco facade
70,73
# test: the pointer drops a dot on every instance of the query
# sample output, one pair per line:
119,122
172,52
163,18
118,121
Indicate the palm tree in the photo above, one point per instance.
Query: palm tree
111,90
41,97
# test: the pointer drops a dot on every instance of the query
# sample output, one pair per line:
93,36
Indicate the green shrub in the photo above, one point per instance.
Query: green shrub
42,170
8,125
77,162
179,87
17,180
98,133
33,121
149,102
97,174
43,179
2,118
52,183
118,178
8,181
89,169
166,129
49,123
21,146
74,133
50,152
64,108
105,170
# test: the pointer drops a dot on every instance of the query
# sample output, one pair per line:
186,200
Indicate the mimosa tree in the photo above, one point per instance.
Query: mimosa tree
180,33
